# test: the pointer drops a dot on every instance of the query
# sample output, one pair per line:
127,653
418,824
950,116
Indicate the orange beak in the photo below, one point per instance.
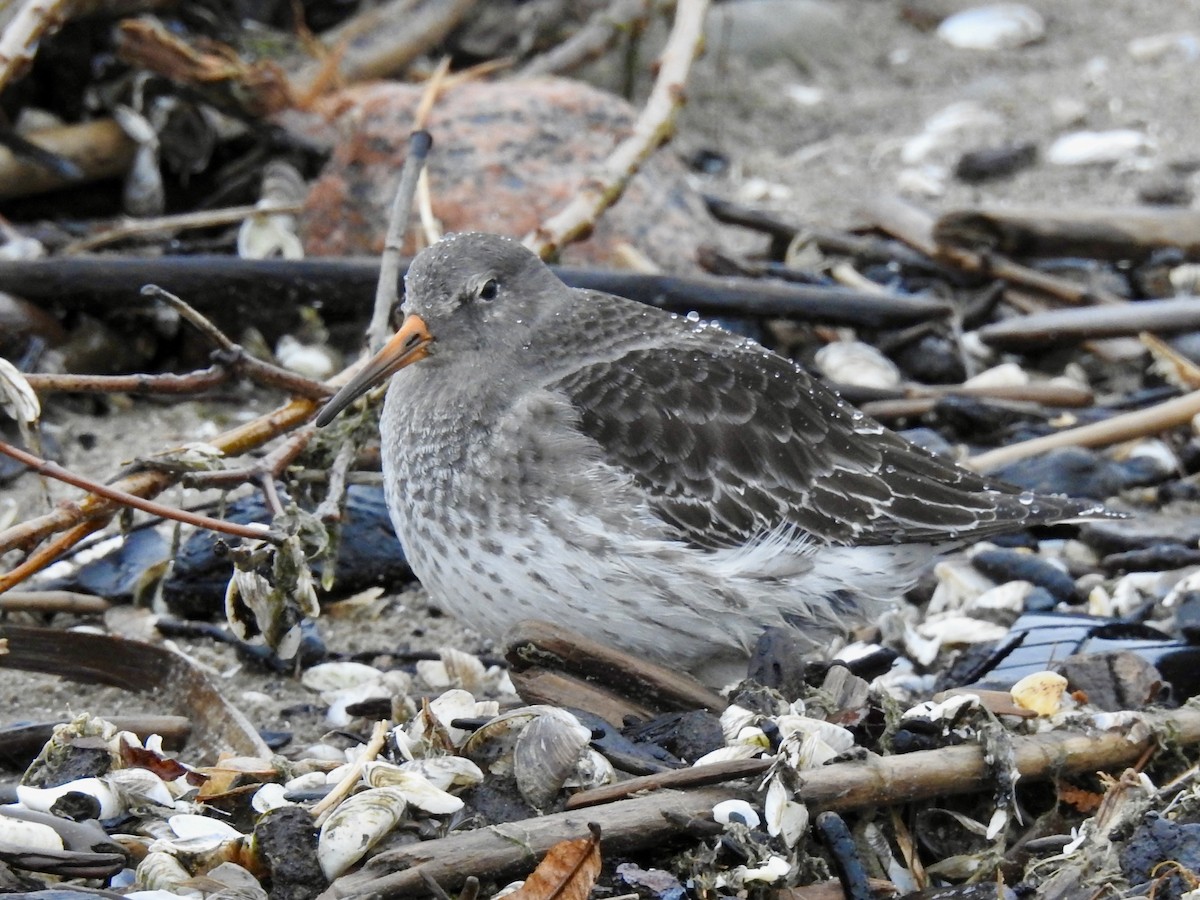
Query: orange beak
409,344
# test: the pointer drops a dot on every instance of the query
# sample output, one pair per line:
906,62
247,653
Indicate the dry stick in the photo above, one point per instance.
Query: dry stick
57,472
914,226
53,602
270,466
191,383
257,370
1059,326
502,851
654,126
593,40
1127,426
100,149
320,812
166,225
92,512
384,39
388,288
35,20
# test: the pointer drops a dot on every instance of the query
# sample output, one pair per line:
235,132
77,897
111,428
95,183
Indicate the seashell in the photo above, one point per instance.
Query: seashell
786,818
954,631
858,364
734,719
357,825
735,812
729,754
456,668
946,711
42,799
1154,47
446,772
924,181
1004,375
592,771
160,871
139,787
1002,604
1000,26
451,705
416,787
1040,692
268,797
337,676
312,360
492,744
17,834
835,736
17,399
237,882
547,752
772,870
958,583
1089,148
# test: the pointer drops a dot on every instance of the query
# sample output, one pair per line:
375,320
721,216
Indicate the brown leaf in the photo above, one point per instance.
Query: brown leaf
567,872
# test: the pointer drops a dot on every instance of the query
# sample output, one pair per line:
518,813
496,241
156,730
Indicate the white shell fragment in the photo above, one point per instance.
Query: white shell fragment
858,364
416,788
1000,26
42,799
161,871
1041,692
17,398
735,812
785,817
356,826
26,836
1090,148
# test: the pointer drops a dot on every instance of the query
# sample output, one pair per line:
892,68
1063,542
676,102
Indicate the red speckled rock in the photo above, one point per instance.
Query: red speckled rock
506,156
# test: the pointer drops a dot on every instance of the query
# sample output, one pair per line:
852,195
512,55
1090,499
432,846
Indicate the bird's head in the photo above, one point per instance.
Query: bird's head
468,293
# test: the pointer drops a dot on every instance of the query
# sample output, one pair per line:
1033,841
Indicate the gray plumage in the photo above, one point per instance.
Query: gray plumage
654,482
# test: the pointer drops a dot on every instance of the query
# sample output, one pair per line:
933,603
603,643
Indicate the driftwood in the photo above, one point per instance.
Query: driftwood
98,149
1127,426
1131,233
915,227
654,126
269,291
219,727
1056,327
502,851
537,649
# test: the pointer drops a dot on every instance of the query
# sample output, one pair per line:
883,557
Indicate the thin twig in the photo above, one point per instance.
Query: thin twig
388,288
168,225
593,40
654,126
57,472
343,788
235,354
1127,426
169,383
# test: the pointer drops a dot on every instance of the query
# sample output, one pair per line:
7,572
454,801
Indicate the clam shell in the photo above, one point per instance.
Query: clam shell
160,871
414,786
356,826
42,799
735,812
546,754
856,363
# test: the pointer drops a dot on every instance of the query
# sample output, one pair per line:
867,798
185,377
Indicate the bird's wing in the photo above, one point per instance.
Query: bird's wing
732,442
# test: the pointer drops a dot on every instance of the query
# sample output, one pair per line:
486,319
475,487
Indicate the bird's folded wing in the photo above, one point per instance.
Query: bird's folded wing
732,442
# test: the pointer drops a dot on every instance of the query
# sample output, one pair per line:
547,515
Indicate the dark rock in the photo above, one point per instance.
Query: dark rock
1152,559
1187,615
1156,841
934,359
1071,470
1112,681
1010,565
368,554
286,839
122,574
1176,524
987,163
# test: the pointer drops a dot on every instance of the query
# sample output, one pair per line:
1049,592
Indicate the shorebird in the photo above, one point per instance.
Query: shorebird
654,482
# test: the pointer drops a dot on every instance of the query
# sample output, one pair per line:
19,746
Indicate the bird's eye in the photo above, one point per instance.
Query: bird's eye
489,289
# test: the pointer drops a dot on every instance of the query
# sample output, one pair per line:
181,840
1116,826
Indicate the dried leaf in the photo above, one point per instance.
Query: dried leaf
567,872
